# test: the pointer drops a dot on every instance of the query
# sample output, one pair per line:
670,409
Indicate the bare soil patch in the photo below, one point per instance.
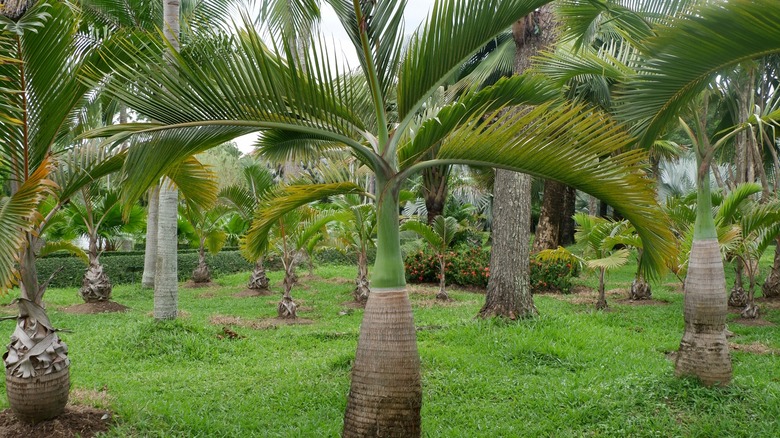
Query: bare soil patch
76,421
249,293
94,308
353,305
769,303
192,285
650,302
755,348
256,324
753,322
339,280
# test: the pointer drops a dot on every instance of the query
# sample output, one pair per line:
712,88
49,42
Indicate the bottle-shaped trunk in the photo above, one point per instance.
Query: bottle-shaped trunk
287,307
385,395
601,302
771,287
201,274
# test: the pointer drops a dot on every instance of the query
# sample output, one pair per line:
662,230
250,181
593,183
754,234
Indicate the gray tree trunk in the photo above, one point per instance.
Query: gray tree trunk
150,253
509,289
166,284
166,279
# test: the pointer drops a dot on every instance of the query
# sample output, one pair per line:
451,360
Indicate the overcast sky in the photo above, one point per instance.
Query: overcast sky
330,26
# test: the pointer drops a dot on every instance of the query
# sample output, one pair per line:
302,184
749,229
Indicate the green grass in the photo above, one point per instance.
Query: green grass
570,372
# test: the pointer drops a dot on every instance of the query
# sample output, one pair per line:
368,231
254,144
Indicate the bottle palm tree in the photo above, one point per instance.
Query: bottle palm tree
356,230
657,95
201,100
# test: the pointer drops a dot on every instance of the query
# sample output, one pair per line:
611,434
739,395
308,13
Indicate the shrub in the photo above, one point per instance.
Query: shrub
552,275
127,267
471,267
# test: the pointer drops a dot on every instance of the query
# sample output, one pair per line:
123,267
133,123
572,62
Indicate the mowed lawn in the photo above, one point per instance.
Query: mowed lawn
570,372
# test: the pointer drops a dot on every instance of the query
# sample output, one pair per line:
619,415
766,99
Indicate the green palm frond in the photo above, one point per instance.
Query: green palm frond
517,90
196,182
559,254
446,228
282,201
731,203
571,144
82,166
39,86
425,231
61,245
454,31
681,66
241,199
286,18
215,240
19,216
281,145
588,21
612,261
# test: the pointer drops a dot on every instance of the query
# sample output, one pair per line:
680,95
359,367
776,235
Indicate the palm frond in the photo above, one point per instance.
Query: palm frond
19,216
196,182
454,31
571,144
612,261
63,245
425,231
732,202
280,202
689,53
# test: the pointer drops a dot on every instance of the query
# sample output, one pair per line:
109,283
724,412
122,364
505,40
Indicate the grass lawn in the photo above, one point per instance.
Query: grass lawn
570,372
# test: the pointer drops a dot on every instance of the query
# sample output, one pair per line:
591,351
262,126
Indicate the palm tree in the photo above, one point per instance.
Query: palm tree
39,90
201,100
677,70
357,230
208,229
439,235
244,199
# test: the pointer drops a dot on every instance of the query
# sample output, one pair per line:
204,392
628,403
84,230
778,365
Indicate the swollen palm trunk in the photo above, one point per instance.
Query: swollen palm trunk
37,368
385,396
95,286
704,351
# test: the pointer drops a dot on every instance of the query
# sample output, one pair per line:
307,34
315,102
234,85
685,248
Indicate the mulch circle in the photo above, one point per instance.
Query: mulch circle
753,322
76,421
95,308
650,302
192,285
249,293
257,324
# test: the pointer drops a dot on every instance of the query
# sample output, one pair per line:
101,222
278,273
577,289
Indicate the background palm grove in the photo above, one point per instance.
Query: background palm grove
524,161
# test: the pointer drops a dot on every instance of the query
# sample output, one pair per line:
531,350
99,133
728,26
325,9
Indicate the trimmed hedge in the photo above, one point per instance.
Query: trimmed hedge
127,267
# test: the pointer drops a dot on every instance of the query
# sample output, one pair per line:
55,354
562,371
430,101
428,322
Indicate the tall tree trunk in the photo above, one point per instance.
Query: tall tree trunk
509,291
435,190
704,350
166,282
548,229
567,225
150,253
166,278
385,395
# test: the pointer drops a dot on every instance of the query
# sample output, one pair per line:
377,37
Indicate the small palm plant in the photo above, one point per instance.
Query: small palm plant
208,228
600,245
439,234
356,231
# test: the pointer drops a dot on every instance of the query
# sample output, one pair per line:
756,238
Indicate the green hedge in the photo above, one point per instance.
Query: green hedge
127,267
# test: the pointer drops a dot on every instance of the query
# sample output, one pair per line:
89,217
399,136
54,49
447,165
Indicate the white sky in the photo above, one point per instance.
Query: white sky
331,30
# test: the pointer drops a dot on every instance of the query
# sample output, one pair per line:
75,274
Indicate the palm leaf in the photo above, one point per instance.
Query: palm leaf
571,144
690,52
196,182
612,261
281,202
19,216
425,231
69,247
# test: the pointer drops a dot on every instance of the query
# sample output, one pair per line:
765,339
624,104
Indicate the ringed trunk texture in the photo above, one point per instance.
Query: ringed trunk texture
150,252
704,351
508,290
385,397
771,287
166,286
